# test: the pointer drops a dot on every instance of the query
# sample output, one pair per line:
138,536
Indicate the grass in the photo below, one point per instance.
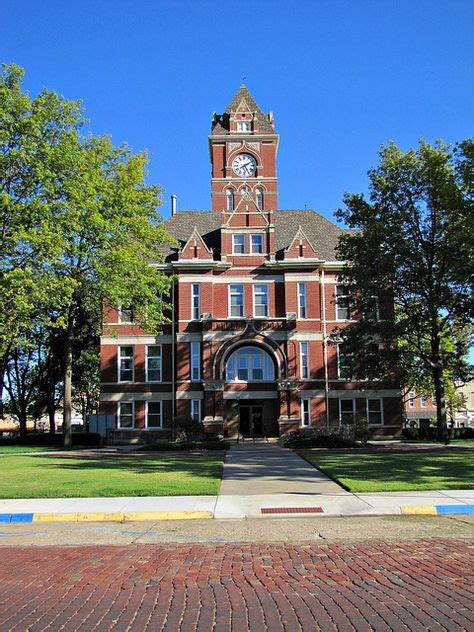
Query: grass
394,472
141,475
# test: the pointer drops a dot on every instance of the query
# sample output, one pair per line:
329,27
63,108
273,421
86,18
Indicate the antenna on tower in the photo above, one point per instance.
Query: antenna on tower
243,79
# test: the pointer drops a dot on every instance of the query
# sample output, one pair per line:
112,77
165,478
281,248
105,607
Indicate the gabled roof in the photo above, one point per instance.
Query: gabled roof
299,237
221,122
322,233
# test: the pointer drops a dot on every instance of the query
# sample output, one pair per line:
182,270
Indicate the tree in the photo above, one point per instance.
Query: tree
412,246
80,224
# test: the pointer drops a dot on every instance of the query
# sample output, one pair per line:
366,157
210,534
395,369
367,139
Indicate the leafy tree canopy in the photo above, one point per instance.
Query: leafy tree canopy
412,246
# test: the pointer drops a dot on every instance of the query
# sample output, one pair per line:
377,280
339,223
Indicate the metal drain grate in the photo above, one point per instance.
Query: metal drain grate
290,510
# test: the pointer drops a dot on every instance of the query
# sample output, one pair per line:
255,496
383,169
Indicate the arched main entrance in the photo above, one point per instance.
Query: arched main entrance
250,392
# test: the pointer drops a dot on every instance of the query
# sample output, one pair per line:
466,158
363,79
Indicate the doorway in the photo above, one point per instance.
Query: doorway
251,420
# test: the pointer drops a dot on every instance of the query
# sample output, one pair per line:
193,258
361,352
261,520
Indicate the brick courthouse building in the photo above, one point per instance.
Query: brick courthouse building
255,303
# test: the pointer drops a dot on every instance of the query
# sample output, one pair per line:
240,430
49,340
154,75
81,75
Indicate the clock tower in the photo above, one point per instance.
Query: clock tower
243,148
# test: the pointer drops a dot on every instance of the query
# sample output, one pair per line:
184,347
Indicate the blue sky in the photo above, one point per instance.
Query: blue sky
341,77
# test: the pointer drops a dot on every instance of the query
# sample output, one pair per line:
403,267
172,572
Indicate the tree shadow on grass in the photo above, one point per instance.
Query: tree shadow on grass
194,465
450,468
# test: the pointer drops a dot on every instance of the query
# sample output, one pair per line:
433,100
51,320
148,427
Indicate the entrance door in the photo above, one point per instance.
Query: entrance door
251,420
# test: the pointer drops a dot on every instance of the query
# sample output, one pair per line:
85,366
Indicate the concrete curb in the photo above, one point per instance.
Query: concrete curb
437,510
117,516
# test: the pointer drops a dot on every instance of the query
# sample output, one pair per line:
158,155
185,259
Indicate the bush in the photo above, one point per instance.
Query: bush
316,438
188,429
44,439
410,433
179,445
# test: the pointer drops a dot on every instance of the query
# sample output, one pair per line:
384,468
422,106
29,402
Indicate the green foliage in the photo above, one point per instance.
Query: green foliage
187,429
80,229
412,246
316,438
185,444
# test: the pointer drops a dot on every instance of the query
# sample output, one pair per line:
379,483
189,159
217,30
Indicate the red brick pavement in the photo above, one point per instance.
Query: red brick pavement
416,585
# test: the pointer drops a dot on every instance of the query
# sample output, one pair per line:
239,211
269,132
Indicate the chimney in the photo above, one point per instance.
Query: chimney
173,204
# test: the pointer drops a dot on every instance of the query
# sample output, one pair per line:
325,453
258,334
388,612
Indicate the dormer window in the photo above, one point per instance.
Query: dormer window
256,244
238,244
243,126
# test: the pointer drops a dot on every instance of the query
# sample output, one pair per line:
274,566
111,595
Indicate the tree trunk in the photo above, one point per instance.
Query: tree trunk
52,420
67,395
441,426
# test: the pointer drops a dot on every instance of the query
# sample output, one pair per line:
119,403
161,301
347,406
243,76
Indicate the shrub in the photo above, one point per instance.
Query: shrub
180,445
188,429
44,439
316,438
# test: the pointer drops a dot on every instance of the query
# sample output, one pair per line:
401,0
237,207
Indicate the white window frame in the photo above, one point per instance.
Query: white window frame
379,399
195,309
259,244
243,359
267,293
195,403
305,414
339,376
230,293
119,415
195,361
147,356
347,399
304,366
302,304
119,362
121,320
336,297
244,126
411,399
423,401
147,403
244,245
230,199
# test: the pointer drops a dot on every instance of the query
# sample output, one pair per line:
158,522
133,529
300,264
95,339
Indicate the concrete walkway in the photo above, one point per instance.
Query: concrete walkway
268,469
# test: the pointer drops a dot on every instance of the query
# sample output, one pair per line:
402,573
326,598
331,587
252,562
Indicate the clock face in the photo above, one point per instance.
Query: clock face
244,165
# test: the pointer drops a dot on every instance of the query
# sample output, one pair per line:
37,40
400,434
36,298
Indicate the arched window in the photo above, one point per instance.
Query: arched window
260,198
249,364
230,199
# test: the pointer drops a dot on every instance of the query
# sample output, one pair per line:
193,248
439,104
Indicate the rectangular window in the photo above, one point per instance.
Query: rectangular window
301,300
422,401
236,301
243,126
373,311
195,361
344,368
154,416
125,315
195,301
260,301
304,360
257,367
343,302
374,412
126,417
411,400
153,363
256,244
126,364
346,411
238,244
196,410
305,412
242,369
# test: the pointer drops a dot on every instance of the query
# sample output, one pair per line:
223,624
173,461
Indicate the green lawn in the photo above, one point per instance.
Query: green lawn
65,477
393,472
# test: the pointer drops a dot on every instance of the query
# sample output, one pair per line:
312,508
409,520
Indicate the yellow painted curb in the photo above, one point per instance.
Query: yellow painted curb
55,517
420,510
76,516
167,515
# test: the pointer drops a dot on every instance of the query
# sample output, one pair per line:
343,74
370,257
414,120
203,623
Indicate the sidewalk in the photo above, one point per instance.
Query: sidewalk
258,481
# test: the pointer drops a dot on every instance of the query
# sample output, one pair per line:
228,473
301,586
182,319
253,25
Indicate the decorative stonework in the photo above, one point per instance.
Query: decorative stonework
213,385
287,385
234,146
253,145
